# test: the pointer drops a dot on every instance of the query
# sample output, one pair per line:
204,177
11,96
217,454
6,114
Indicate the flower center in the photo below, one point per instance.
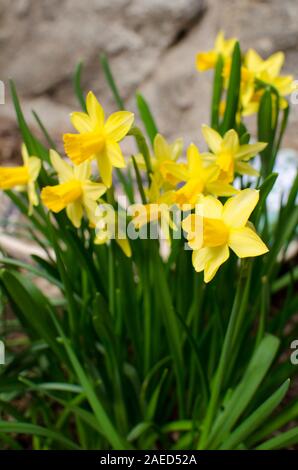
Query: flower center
225,160
215,232
80,147
60,196
11,177
188,194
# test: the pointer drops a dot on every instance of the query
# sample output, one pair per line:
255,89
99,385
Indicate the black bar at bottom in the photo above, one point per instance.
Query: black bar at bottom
135,459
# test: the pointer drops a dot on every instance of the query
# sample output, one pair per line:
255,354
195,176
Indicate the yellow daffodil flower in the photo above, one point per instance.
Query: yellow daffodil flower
157,209
98,139
75,192
164,161
223,227
222,46
22,178
267,72
200,179
229,155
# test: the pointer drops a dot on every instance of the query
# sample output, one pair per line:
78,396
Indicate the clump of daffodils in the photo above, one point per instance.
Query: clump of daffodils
200,183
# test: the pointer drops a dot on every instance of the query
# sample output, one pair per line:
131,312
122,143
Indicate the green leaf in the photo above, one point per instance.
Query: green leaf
139,180
33,145
250,424
245,391
110,80
143,148
77,86
27,428
111,433
232,100
282,441
217,92
33,306
146,117
265,189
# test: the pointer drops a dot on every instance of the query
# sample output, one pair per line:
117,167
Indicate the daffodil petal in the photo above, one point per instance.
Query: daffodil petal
206,60
176,148
216,257
125,246
81,122
105,168
63,169
115,155
74,212
209,207
93,190
247,151
194,159
231,140
244,168
221,189
118,125
245,243
237,209
83,171
212,138
25,154
34,166
209,260
161,148
95,110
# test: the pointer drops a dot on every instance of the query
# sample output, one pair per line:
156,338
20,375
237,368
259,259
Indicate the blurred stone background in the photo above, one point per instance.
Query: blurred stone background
151,45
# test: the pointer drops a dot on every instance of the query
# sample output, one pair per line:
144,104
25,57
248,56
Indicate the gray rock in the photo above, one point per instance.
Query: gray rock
151,45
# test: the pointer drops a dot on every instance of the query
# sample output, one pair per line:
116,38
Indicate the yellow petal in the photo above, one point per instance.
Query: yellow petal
210,207
206,60
209,260
59,196
274,63
82,172
212,138
237,209
176,148
81,122
218,255
32,197
13,176
200,258
90,207
245,243
118,125
194,160
93,190
247,151
25,154
34,166
245,169
75,213
105,169
193,226
218,188
125,246
161,148
253,61
81,147
63,169
231,140
95,111
114,153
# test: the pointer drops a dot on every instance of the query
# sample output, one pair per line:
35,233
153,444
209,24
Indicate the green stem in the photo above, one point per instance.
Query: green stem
224,358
